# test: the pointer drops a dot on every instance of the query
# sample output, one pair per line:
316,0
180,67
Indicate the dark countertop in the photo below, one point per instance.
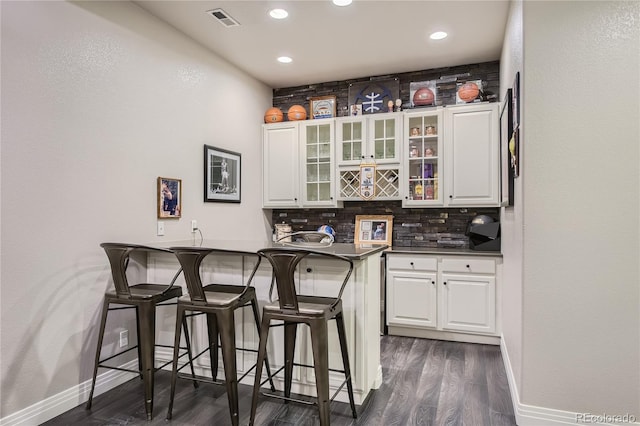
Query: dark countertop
441,251
352,251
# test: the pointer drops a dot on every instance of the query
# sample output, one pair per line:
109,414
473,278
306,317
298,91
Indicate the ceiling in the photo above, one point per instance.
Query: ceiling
332,43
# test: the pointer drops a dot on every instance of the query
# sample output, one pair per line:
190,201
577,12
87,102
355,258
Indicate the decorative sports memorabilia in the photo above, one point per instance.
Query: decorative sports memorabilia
374,96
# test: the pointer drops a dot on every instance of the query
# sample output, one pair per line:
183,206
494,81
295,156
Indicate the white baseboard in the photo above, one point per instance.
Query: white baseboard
531,415
55,405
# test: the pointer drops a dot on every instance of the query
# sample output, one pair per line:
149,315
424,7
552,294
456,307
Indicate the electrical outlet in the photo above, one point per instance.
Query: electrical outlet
124,338
194,225
160,229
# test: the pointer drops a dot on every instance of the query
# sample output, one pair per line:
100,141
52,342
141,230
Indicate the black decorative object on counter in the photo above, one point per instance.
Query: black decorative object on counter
484,233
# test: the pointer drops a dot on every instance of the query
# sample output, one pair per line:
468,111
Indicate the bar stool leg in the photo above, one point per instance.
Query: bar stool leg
290,329
262,352
180,319
147,342
212,331
342,335
256,316
319,344
187,340
228,343
103,322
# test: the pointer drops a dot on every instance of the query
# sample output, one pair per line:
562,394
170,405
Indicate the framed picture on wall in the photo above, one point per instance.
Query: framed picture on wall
169,198
515,96
322,107
506,130
221,175
374,229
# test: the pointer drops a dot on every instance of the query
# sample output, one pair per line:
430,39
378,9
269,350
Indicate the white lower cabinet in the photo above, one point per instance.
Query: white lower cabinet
448,297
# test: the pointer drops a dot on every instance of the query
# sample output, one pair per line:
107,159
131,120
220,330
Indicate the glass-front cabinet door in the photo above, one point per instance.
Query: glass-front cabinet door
316,138
351,140
385,134
422,174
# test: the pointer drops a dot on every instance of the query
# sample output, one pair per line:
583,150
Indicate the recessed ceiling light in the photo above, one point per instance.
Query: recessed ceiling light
278,13
285,59
342,2
438,35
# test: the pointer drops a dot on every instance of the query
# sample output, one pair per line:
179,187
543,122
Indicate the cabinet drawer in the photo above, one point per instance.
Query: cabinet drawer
474,266
412,263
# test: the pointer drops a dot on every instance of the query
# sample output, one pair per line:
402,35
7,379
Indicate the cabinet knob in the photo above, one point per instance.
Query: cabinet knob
411,263
450,196
331,198
295,199
433,282
468,266
406,198
445,283
309,270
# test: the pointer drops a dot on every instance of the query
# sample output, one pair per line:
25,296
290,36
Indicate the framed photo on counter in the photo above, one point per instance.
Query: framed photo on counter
374,229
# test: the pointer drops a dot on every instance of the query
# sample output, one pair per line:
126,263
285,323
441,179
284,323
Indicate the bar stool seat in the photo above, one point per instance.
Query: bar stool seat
144,298
315,311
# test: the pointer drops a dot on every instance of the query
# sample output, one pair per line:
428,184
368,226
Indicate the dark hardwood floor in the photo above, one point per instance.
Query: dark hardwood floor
425,382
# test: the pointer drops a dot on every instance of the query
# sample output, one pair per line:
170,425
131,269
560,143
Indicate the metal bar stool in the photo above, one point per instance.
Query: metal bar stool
315,311
218,302
144,298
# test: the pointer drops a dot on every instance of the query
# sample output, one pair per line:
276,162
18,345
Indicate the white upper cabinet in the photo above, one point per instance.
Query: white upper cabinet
280,165
298,164
317,159
369,137
472,154
431,157
423,160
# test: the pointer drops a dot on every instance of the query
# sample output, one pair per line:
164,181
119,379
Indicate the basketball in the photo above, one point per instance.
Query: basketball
468,91
273,115
423,96
297,112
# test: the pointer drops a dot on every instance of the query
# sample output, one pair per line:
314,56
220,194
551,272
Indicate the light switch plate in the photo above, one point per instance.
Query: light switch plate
160,229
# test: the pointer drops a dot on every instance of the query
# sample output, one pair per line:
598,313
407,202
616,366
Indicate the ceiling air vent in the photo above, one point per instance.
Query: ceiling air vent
223,17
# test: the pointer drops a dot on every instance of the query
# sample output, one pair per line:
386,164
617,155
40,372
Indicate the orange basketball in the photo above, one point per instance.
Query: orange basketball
297,112
273,115
423,96
468,91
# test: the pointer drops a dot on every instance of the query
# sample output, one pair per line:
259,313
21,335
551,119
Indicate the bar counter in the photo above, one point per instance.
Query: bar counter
316,276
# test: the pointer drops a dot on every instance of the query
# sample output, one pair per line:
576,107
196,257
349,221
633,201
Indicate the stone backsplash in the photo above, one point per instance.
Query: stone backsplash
424,227
488,72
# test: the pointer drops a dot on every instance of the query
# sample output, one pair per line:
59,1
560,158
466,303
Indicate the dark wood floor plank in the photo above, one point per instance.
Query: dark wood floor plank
497,383
425,382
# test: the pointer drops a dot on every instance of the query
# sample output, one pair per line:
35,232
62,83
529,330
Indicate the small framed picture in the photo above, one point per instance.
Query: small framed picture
323,107
506,130
514,153
221,175
367,181
377,229
169,198
515,107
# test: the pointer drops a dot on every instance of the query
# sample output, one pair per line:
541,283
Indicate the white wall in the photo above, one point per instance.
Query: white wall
581,192
511,218
98,100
